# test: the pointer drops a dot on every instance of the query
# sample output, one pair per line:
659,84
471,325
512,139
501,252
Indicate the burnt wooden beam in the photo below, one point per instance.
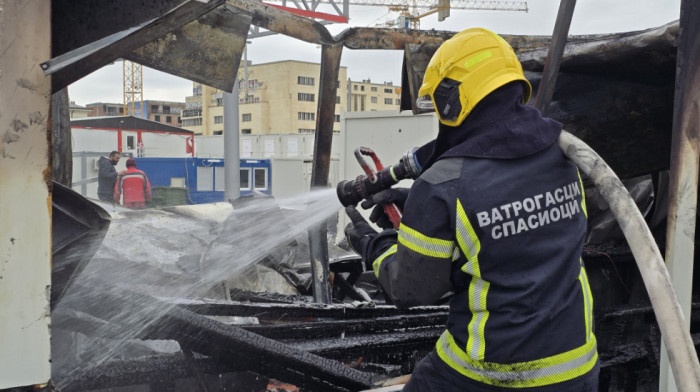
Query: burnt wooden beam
282,22
61,141
71,66
554,54
380,347
397,39
227,342
323,329
325,113
279,312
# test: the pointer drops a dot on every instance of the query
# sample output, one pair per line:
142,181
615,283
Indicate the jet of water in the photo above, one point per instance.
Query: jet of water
162,254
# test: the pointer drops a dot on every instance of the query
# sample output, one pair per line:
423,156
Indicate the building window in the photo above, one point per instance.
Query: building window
388,101
362,88
306,116
168,119
218,119
192,122
354,87
307,130
157,118
130,142
246,131
306,97
246,117
397,101
260,177
192,113
305,80
336,118
245,178
337,99
154,108
197,91
166,109
219,102
179,120
218,132
362,103
121,110
388,90
374,99
374,89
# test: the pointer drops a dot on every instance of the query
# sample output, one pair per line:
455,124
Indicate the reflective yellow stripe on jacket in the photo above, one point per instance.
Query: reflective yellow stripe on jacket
427,246
545,371
587,302
378,262
419,243
478,287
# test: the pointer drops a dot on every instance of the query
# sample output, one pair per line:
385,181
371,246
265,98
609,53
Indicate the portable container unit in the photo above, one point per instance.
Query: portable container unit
203,178
266,146
93,137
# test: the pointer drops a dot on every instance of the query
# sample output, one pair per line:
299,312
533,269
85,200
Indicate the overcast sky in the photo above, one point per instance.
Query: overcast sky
590,17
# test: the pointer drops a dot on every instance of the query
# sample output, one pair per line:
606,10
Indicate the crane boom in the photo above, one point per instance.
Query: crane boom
454,4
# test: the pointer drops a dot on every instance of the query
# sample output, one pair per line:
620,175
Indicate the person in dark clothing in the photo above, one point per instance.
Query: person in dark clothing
107,176
496,220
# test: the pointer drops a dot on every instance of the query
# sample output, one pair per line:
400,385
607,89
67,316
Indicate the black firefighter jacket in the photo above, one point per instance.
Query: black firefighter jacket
498,218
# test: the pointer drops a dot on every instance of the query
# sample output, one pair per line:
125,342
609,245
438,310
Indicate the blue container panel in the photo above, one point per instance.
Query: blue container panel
210,187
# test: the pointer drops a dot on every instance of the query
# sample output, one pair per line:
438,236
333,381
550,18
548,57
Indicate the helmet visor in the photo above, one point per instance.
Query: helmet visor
425,103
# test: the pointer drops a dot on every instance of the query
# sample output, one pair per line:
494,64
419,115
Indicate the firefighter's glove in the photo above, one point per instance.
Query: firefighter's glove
397,196
359,233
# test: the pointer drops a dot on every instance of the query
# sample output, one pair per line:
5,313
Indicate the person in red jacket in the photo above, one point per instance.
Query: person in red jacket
134,185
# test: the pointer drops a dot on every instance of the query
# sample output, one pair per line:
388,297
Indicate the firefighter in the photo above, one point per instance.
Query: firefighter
496,223
134,185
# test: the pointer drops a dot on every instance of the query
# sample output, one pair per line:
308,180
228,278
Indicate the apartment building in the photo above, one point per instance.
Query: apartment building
101,109
77,111
366,96
164,112
274,98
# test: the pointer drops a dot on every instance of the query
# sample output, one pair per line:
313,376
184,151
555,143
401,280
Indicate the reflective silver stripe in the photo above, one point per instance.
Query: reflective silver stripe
476,343
548,371
428,246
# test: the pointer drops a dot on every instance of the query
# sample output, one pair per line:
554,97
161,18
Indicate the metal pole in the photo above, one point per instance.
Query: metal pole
245,69
83,172
232,158
556,50
318,242
680,231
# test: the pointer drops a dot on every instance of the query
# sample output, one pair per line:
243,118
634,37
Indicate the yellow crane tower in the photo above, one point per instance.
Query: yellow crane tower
133,88
442,7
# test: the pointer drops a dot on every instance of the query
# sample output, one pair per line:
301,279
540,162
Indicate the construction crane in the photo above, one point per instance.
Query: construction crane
133,88
308,8
442,7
